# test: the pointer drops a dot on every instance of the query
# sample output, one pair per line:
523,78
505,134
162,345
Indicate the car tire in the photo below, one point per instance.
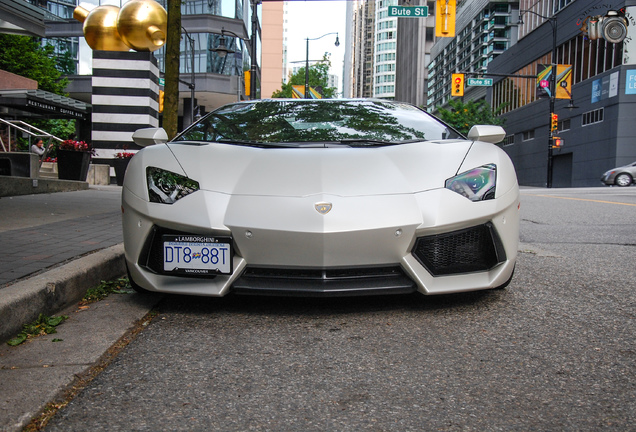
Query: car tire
134,286
506,283
623,180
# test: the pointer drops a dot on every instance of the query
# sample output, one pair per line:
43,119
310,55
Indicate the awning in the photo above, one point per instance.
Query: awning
22,18
41,104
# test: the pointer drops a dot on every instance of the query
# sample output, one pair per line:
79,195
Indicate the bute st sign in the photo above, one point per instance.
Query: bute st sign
408,11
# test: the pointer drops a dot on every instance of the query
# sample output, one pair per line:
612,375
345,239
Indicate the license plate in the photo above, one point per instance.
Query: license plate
197,255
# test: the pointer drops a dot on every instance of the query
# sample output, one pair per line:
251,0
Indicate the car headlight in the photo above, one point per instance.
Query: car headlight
167,187
478,184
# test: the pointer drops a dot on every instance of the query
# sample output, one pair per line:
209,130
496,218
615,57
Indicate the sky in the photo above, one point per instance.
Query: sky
312,19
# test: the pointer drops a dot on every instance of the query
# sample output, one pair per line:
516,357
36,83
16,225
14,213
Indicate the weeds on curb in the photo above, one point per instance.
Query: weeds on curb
101,291
41,326
46,325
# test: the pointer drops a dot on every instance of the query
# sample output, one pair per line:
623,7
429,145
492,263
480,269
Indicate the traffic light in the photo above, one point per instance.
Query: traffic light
457,85
161,94
557,142
445,18
554,122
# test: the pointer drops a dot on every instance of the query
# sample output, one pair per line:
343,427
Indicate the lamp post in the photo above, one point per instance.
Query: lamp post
553,77
337,43
191,83
222,51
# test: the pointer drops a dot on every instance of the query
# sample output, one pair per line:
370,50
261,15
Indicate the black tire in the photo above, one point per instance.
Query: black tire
505,284
134,286
623,179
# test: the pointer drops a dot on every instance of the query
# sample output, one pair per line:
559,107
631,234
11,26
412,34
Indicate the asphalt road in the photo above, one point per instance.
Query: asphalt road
553,351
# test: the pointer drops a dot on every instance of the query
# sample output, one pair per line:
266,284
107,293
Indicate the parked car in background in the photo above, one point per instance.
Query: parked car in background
320,197
621,176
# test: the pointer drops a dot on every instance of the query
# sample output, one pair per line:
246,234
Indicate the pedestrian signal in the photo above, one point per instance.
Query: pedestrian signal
457,88
557,142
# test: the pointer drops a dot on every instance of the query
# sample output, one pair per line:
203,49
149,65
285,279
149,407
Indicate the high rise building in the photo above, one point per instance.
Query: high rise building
385,49
415,38
594,119
484,30
361,27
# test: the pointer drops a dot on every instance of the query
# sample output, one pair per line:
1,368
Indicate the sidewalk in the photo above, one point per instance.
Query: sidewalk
42,239
40,231
52,248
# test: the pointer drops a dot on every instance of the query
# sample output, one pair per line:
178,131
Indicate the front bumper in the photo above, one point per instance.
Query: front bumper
371,238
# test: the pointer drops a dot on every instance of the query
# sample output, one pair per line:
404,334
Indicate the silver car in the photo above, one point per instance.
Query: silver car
621,176
320,197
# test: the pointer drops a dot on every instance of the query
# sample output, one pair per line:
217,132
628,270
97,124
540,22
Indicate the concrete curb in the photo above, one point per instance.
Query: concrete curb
14,186
56,289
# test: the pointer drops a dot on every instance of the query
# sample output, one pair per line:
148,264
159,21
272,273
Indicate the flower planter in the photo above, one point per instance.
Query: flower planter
120,166
72,165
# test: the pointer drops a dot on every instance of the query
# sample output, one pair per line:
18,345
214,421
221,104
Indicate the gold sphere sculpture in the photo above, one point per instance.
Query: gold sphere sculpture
143,25
100,28
140,24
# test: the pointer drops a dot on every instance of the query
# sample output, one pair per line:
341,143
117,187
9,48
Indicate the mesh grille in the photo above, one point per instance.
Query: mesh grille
465,251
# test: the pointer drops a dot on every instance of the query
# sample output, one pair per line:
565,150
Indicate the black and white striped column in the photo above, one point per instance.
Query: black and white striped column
125,95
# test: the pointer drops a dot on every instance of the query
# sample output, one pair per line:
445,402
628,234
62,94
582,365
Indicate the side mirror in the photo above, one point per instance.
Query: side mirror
487,133
150,136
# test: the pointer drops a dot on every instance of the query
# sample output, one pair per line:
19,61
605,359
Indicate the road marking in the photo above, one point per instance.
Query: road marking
582,199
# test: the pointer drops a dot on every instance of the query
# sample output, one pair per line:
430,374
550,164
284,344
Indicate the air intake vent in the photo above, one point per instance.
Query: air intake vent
465,251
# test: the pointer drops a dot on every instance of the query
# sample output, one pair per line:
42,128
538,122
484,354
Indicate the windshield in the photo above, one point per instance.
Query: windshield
289,122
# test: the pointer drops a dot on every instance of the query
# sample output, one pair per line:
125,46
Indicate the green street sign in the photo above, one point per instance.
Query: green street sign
408,11
162,82
483,82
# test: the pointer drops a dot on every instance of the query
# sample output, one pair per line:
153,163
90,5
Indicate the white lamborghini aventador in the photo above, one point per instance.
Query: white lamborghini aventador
320,197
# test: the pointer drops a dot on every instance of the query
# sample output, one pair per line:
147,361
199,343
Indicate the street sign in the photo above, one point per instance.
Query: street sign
408,11
483,82
162,82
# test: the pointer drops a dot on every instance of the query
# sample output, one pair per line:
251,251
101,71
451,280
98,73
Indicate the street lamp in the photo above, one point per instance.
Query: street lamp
191,83
337,43
553,22
222,51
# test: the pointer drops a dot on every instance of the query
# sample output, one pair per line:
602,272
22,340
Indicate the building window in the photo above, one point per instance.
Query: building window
588,59
508,140
591,117
564,125
528,135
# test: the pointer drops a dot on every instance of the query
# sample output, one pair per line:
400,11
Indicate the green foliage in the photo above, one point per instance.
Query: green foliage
66,64
100,292
61,128
43,325
25,56
462,116
318,79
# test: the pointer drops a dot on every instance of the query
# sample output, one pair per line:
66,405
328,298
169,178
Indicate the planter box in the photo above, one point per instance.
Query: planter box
72,165
120,166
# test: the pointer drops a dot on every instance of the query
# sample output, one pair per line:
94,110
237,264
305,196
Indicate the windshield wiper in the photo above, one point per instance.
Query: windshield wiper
361,142
248,143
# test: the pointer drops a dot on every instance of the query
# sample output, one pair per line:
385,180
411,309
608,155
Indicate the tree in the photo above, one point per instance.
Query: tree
173,52
462,116
25,56
318,79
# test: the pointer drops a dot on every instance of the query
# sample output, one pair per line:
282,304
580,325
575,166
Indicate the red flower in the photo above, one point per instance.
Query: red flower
73,145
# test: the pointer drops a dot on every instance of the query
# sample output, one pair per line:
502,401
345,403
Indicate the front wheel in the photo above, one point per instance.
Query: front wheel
505,284
623,179
134,286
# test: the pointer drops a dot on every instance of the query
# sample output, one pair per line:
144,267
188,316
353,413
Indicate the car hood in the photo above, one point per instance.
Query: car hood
342,171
